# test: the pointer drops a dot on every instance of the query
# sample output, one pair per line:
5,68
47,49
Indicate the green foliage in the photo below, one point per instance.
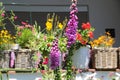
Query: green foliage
6,38
54,30
35,41
48,75
45,44
5,16
57,74
69,74
25,36
4,46
1,77
62,44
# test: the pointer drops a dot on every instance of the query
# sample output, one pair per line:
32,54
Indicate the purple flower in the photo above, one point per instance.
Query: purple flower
55,55
72,25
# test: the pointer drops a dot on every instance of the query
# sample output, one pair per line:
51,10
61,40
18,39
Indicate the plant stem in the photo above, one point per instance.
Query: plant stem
57,74
69,63
1,76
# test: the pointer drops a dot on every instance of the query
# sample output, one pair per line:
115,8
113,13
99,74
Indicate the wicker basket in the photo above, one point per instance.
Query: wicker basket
23,58
4,59
105,58
119,57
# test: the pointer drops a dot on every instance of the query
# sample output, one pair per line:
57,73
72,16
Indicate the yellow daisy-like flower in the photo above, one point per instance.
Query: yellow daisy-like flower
104,41
2,32
5,32
4,41
60,25
48,25
5,36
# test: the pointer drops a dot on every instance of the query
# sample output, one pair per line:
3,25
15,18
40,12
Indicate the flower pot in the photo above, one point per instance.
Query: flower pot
81,58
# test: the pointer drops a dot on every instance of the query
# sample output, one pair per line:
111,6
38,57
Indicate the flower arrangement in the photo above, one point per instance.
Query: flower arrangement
76,37
84,35
70,33
5,39
23,34
53,43
54,30
35,40
103,41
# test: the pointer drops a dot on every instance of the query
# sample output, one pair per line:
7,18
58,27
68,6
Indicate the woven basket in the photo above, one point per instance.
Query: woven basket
105,58
23,58
119,57
4,59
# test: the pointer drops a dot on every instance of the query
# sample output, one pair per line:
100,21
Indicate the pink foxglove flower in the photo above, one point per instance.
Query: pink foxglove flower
12,60
72,25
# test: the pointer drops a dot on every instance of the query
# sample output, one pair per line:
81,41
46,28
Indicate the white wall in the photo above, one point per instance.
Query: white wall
102,13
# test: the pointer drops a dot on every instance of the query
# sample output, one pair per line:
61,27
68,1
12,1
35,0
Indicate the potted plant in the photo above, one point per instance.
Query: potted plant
54,31
23,34
75,40
103,41
106,54
6,38
82,50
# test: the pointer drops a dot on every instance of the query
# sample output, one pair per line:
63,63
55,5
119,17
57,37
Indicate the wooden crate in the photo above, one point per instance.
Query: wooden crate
105,58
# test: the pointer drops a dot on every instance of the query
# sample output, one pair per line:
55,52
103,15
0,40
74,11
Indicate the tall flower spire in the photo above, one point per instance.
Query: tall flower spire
54,55
72,24
71,33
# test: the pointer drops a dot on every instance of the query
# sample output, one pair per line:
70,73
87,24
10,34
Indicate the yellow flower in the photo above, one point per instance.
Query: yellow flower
50,20
103,41
51,37
101,38
5,36
60,25
48,25
14,37
107,33
4,41
108,44
5,32
2,32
